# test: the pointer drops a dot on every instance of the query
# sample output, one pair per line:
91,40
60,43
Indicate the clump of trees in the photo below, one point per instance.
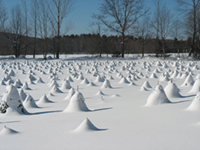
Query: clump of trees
43,22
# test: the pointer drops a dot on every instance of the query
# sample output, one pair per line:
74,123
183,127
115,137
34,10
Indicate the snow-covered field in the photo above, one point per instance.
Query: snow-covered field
113,104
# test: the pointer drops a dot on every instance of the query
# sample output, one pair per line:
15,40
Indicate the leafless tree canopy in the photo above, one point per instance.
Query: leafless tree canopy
59,10
143,31
3,16
119,15
191,8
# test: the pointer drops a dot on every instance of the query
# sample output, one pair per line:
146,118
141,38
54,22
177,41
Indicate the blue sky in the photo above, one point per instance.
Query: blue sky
82,11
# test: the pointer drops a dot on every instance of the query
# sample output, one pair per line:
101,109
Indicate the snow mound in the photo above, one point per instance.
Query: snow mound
85,81
81,77
195,105
123,80
172,90
77,103
25,86
65,85
22,94
109,77
114,96
164,78
17,84
2,82
188,81
99,79
175,74
55,89
106,84
39,80
91,84
50,94
131,83
69,78
184,75
86,126
146,85
157,97
99,93
43,100
143,89
197,77
11,73
7,131
153,76
195,87
29,102
70,94
30,79
53,83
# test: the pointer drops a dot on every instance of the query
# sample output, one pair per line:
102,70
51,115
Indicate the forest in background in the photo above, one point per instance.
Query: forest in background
92,44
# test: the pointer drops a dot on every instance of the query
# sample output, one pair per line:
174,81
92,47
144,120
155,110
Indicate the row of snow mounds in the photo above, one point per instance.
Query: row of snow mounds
19,101
18,84
160,95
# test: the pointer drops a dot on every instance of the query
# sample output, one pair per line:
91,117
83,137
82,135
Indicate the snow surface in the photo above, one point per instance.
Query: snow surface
118,119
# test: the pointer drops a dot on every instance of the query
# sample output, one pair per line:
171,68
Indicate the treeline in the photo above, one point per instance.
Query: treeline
91,44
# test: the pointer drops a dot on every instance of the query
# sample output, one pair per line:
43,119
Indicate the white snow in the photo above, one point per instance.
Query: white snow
116,118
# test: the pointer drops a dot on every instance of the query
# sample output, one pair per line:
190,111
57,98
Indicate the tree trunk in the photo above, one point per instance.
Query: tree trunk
45,51
58,32
123,38
194,32
158,46
143,48
58,48
163,45
16,51
34,47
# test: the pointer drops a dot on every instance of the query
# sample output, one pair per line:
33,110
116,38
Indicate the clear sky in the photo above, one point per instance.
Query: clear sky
82,11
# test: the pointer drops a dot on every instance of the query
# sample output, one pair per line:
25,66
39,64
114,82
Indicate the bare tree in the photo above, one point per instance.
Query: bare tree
177,34
96,28
119,15
17,29
177,29
156,23
190,9
163,23
59,10
143,30
34,14
25,10
44,25
3,16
